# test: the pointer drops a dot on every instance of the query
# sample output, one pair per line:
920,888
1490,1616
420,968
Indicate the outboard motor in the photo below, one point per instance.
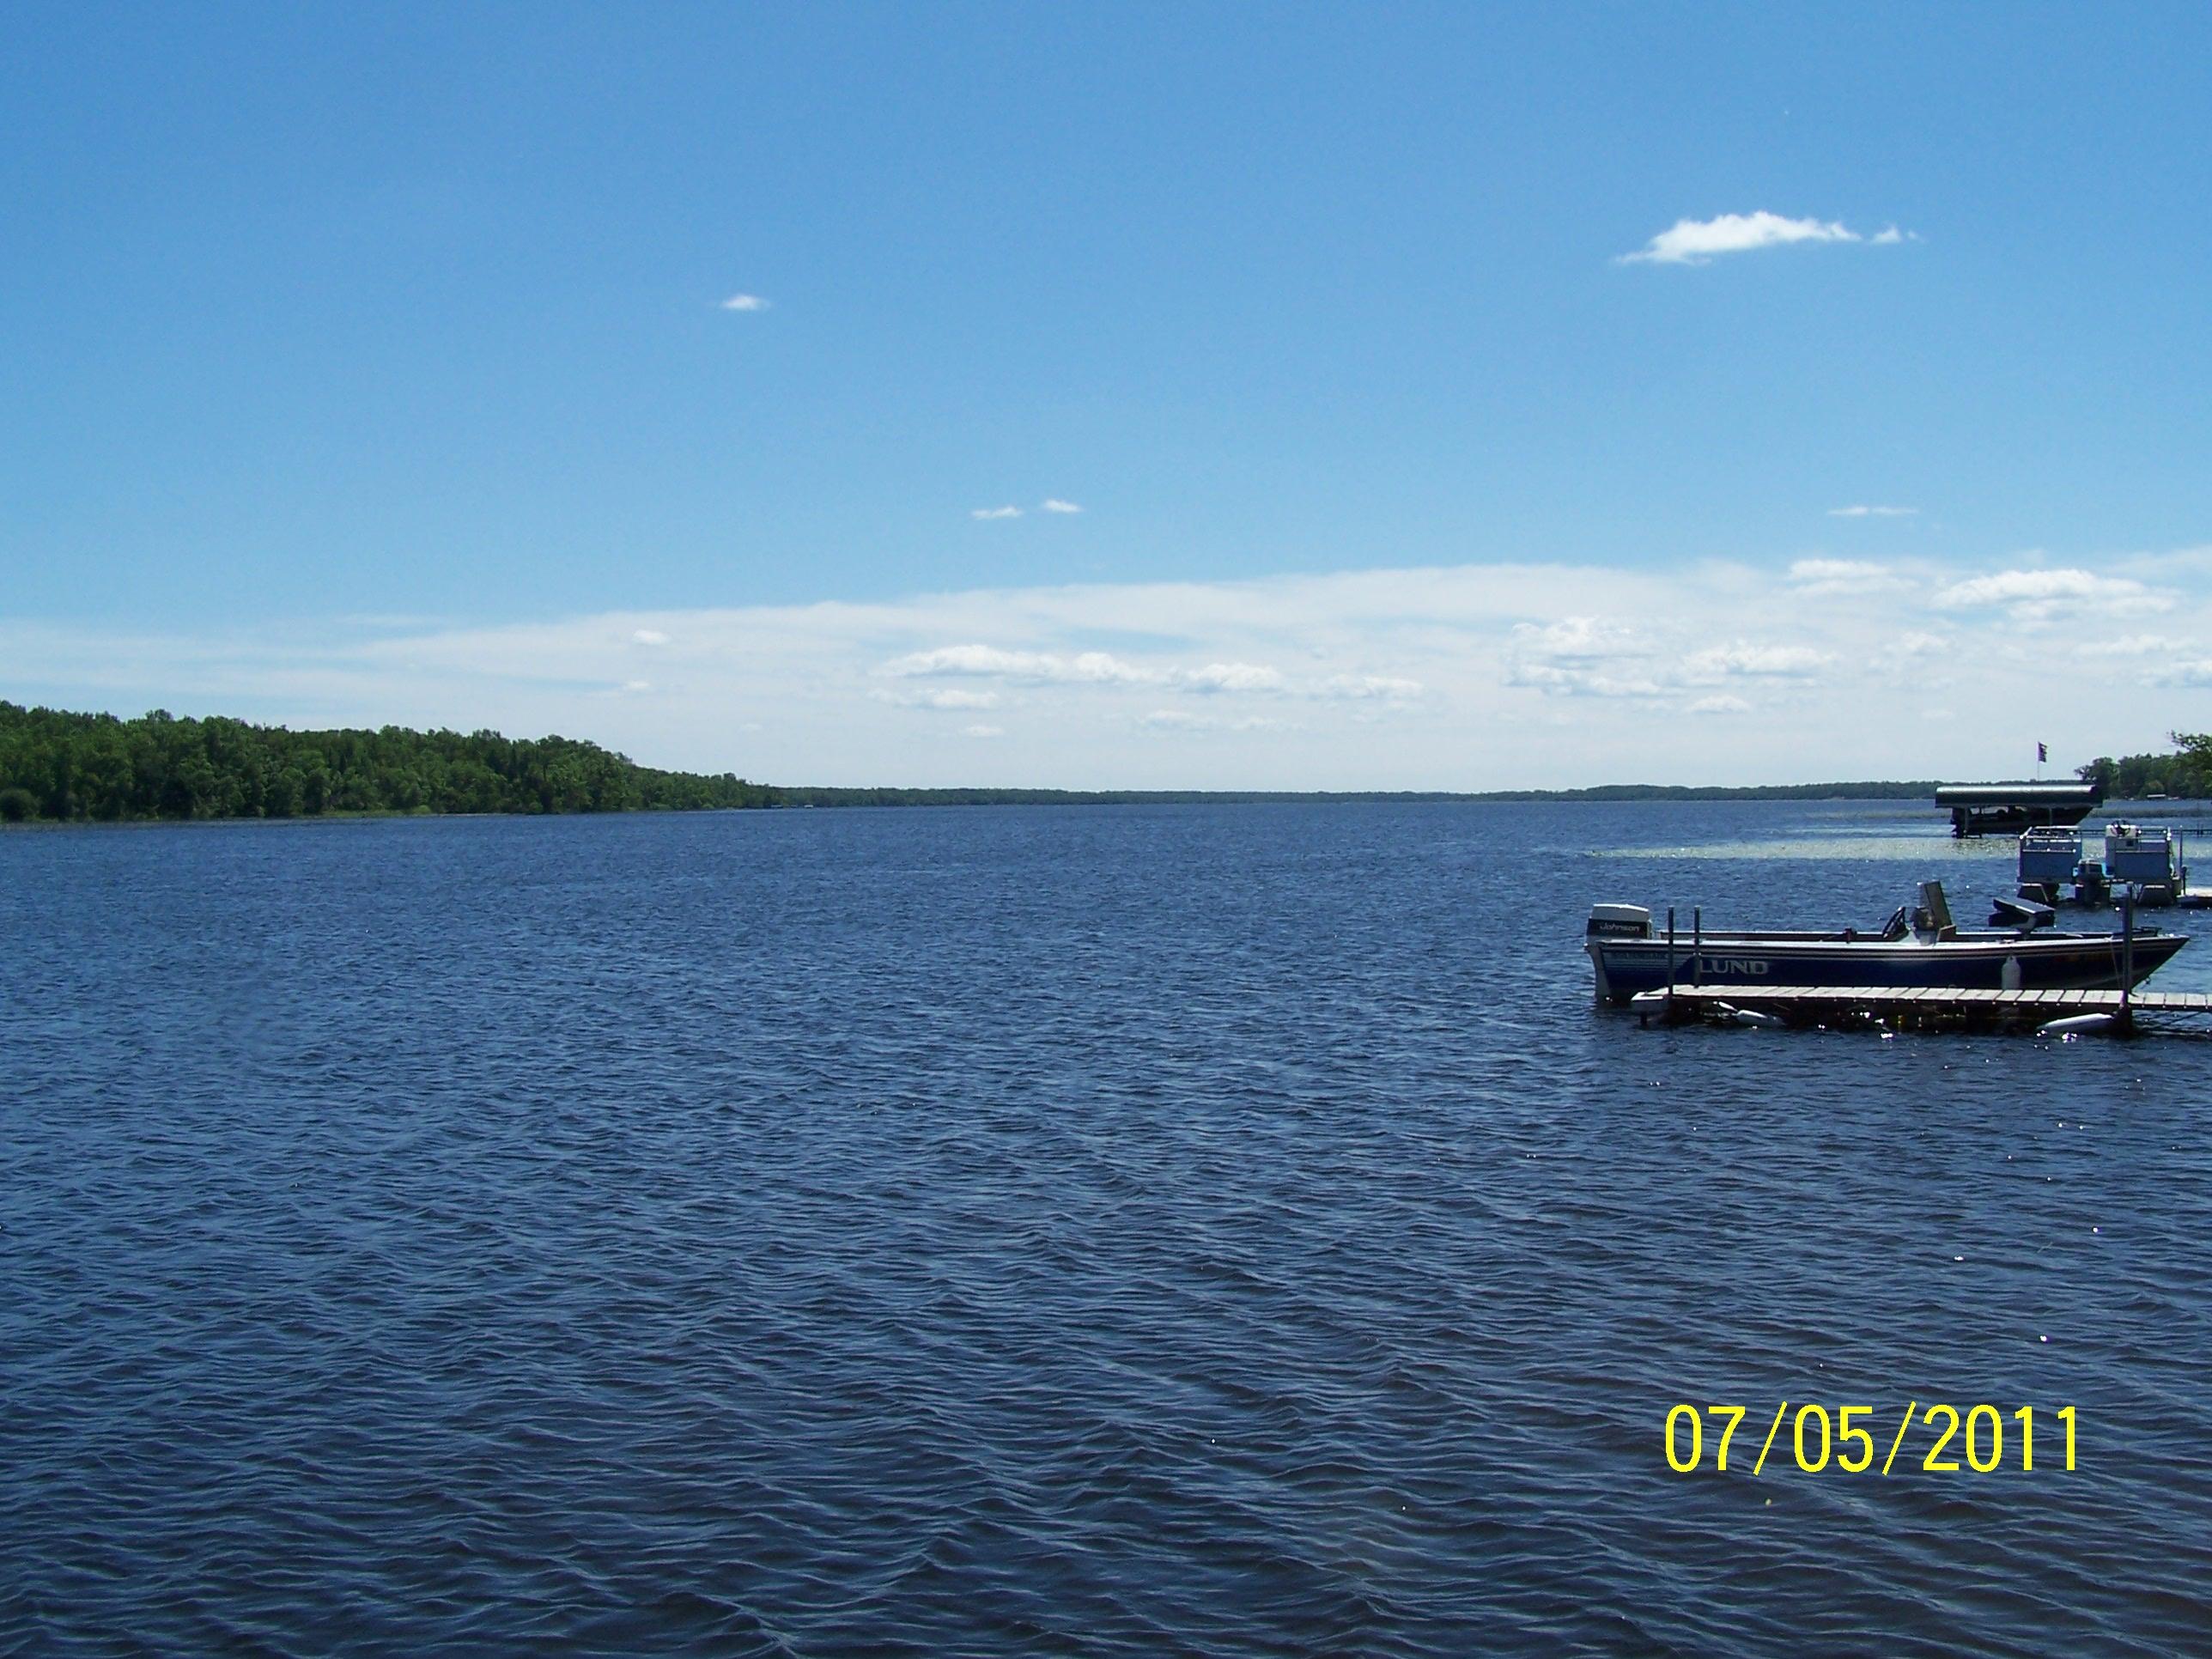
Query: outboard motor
1609,923
1618,921
2093,884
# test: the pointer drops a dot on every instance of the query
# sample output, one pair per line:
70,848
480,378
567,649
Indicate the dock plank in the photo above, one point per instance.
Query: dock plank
1909,1005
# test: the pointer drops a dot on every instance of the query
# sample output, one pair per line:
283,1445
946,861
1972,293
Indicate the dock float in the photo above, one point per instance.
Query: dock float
1927,1007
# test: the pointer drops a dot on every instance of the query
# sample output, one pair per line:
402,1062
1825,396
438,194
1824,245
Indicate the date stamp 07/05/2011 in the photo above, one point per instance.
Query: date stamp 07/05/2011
1842,1437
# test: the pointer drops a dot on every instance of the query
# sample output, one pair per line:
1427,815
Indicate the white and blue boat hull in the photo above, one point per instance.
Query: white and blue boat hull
1630,956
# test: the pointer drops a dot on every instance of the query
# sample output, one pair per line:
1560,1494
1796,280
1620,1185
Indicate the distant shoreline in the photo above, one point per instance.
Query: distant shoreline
59,767
808,795
833,799
839,799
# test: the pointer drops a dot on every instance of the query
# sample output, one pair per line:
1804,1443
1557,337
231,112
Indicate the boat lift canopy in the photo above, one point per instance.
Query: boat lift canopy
2006,809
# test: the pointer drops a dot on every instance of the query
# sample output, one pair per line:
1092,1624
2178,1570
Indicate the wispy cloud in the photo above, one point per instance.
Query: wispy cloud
1917,643
744,302
1873,512
1578,639
2033,595
994,512
1045,668
1824,576
1583,657
2187,676
1580,657
1083,668
1053,504
1359,687
1719,662
937,698
1696,242
2133,645
982,730
1230,677
647,637
1177,719
1493,675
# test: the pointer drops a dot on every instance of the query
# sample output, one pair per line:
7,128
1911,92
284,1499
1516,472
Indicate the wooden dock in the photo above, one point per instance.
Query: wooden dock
1920,1007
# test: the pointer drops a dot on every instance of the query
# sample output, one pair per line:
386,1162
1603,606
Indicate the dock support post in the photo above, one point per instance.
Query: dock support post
2127,955
1670,964
1697,946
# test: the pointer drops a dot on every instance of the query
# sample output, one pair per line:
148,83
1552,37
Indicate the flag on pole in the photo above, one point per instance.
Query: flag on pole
2042,753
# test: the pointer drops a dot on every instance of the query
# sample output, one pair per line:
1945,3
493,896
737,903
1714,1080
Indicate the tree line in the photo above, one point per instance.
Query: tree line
71,768
2188,771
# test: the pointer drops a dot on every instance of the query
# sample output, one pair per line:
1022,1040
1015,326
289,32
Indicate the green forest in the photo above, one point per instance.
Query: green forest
87,768
76,768
2188,771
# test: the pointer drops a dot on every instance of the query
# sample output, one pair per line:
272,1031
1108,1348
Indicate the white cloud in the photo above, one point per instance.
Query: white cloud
1230,677
1527,674
972,660
1088,667
939,697
1915,658
1723,704
1872,512
2189,676
1084,668
744,302
1053,504
2185,562
648,637
1175,719
1694,241
1578,639
636,686
2133,645
1819,576
1008,512
982,730
2033,595
1358,687
1574,680
1758,661
1890,235
1580,657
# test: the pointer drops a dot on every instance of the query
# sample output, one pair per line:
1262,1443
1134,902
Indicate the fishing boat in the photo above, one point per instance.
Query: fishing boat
1919,945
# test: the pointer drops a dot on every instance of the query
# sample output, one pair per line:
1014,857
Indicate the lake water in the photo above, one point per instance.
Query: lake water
1201,1229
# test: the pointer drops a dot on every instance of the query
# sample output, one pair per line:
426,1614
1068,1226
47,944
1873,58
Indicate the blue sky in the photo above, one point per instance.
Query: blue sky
375,364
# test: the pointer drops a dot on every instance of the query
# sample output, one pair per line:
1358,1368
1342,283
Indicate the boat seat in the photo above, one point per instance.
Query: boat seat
1933,914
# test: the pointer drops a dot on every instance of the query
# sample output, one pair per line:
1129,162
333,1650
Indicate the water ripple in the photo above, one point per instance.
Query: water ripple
1213,1231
